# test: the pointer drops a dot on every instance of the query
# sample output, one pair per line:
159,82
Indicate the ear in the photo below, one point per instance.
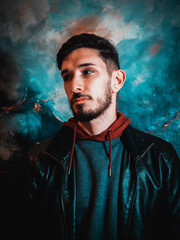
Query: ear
118,80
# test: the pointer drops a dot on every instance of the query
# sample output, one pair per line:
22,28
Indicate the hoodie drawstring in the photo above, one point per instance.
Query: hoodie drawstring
114,131
110,152
72,151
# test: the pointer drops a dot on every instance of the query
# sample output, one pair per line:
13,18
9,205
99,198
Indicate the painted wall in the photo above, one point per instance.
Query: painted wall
146,33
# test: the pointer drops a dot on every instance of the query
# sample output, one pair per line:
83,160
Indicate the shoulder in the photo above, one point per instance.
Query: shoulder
140,141
158,143
145,137
56,145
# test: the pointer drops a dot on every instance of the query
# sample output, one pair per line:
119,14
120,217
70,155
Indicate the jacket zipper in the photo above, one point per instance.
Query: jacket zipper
62,202
133,201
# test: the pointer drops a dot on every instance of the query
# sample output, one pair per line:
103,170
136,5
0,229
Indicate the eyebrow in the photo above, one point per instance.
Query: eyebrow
79,66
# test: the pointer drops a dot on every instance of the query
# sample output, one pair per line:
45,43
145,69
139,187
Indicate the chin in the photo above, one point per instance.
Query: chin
86,116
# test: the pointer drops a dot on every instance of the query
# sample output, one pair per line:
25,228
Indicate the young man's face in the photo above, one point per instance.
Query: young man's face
87,84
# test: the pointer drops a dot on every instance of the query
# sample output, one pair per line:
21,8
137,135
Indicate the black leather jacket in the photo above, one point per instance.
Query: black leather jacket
149,189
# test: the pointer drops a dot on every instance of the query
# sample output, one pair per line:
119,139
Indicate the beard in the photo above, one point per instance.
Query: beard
103,104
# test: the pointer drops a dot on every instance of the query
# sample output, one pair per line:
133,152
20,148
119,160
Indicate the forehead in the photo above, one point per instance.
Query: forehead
82,55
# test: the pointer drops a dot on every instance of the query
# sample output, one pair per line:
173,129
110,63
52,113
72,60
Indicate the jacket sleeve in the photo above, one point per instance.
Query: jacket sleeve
173,185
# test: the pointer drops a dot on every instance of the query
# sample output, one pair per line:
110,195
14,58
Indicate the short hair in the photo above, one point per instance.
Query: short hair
106,49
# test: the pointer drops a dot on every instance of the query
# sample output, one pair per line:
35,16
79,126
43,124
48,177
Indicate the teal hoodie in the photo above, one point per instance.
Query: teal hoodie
97,191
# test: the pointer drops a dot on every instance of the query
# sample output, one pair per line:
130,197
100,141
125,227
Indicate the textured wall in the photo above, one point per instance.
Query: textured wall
146,34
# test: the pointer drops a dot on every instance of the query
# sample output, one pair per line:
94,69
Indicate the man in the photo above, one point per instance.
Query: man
99,178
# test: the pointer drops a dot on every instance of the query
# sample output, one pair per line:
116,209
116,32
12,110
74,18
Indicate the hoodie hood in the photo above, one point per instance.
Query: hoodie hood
114,131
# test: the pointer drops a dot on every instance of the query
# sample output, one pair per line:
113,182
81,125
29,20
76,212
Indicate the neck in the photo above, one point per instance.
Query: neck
100,124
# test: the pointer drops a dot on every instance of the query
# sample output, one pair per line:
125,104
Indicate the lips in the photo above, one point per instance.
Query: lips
80,100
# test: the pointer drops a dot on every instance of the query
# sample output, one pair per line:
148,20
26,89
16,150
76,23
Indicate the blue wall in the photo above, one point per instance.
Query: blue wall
146,34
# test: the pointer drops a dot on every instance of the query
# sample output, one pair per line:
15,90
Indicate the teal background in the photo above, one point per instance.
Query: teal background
146,34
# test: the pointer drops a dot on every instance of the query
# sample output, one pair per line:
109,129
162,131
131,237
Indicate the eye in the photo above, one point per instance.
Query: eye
67,77
87,72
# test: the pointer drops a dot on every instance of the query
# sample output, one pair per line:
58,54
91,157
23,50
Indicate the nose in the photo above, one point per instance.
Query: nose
76,84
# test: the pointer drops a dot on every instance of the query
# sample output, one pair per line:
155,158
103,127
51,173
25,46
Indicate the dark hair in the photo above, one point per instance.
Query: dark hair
107,51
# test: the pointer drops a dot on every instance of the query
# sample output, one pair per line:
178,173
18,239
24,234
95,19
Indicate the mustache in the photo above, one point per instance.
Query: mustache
79,95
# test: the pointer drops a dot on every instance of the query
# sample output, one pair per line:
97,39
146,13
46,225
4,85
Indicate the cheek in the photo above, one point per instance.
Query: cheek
67,90
96,85
97,93
99,87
